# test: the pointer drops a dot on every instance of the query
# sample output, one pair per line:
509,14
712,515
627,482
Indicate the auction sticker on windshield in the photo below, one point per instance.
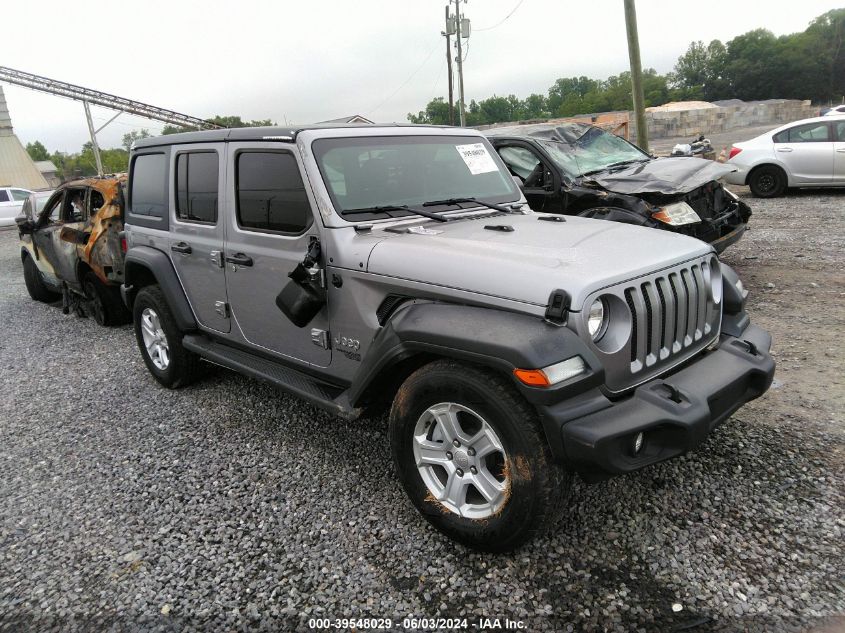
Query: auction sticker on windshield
477,158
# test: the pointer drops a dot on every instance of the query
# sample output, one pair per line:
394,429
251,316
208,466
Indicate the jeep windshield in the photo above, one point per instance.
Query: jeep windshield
592,152
379,177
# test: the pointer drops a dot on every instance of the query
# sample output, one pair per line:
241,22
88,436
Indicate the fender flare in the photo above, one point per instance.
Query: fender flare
158,265
497,339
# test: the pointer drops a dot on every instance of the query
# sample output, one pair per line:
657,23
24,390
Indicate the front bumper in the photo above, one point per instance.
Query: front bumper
675,413
733,237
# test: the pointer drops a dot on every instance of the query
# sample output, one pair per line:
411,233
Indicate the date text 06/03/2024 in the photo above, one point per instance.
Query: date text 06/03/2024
412,624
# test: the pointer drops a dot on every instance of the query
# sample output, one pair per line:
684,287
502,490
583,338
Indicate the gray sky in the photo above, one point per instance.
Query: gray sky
303,62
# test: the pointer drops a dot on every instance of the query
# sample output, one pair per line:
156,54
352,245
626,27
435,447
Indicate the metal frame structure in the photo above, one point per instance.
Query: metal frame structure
90,97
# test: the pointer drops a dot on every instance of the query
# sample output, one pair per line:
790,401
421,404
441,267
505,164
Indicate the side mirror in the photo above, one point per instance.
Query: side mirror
25,225
519,183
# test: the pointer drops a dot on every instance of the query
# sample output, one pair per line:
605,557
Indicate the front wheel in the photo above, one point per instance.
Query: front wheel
767,181
472,457
35,285
160,340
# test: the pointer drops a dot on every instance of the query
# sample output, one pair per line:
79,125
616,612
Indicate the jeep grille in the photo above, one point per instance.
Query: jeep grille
673,316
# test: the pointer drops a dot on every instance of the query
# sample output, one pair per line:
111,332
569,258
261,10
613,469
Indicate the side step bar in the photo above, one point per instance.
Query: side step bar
317,392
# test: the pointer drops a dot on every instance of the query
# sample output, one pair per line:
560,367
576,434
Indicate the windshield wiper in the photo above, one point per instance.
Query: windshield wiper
394,207
457,201
621,163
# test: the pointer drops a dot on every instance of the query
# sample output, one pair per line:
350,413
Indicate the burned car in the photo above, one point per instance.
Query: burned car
580,169
71,248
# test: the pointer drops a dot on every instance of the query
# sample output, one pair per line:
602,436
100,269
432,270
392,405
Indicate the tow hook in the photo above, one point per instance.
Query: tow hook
752,348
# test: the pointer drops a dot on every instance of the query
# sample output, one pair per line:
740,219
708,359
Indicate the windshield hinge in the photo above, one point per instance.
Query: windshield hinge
558,307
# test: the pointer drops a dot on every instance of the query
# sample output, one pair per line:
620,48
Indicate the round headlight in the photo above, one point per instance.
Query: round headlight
597,321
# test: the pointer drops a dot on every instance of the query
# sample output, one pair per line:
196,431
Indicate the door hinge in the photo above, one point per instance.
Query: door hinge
216,258
320,338
222,308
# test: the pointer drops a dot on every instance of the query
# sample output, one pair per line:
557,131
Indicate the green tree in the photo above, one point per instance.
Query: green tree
37,151
435,113
135,135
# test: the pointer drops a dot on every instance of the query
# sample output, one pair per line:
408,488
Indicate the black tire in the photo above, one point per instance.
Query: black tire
35,285
104,303
535,487
767,181
183,366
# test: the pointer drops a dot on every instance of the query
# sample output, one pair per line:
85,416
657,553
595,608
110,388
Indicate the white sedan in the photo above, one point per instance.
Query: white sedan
11,201
808,153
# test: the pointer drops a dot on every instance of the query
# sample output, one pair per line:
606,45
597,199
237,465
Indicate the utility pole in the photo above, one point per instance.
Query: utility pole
636,73
460,60
449,66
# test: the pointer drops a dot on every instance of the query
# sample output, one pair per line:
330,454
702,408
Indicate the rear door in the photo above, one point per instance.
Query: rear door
839,152
197,230
807,152
270,224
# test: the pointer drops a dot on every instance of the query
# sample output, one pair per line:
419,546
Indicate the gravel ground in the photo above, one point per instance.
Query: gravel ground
230,506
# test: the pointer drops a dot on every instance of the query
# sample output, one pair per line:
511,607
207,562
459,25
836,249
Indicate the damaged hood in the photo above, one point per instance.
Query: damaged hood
669,176
579,256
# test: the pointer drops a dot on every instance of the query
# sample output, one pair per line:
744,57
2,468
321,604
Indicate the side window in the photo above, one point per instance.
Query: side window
4,195
840,130
196,186
20,194
270,194
74,208
521,161
148,194
95,202
54,212
808,133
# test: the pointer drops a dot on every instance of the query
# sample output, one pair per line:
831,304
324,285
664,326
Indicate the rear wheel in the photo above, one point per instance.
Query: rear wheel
160,340
472,457
104,303
35,285
767,181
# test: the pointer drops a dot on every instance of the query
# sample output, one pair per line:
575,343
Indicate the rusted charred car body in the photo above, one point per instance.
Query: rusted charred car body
71,247
580,169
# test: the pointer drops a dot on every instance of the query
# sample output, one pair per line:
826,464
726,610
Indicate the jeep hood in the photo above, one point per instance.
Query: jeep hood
669,176
579,255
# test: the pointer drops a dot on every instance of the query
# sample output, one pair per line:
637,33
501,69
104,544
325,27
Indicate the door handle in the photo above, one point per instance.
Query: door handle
181,247
784,149
239,259
841,150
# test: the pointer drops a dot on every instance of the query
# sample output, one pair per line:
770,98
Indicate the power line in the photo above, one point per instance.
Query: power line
503,20
404,83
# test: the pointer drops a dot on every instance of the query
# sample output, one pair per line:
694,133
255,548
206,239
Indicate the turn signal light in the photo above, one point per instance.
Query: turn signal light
734,152
532,377
553,374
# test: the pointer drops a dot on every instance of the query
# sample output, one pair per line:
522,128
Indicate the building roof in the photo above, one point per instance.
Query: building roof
355,118
16,166
45,166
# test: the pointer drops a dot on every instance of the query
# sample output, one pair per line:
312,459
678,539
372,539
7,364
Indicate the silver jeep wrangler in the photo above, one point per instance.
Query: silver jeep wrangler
360,267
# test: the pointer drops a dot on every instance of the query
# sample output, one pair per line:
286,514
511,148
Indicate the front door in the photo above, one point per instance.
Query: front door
270,224
197,230
65,210
537,177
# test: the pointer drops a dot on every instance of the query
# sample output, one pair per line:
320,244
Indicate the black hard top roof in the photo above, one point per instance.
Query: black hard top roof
277,133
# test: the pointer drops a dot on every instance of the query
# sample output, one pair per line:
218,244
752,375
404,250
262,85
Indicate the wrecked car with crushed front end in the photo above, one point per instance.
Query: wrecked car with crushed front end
581,169
71,247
